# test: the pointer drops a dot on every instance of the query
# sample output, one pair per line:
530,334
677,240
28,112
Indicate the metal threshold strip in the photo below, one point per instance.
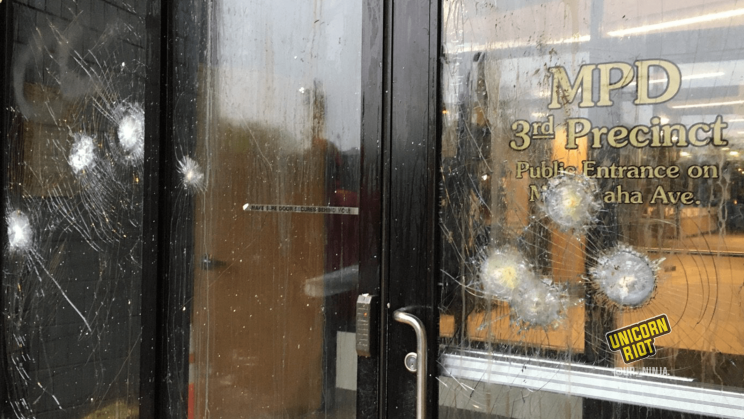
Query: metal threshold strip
592,382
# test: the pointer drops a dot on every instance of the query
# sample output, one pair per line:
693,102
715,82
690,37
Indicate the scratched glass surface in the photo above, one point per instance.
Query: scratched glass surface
72,258
608,204
267,124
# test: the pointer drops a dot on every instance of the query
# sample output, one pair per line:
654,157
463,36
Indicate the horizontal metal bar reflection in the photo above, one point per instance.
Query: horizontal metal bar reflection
592,382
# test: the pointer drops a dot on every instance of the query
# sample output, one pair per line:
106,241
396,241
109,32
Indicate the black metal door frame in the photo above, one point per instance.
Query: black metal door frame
399,217
6,46
414,174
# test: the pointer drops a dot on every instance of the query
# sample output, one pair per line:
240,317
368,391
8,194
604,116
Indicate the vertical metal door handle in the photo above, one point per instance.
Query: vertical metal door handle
403,317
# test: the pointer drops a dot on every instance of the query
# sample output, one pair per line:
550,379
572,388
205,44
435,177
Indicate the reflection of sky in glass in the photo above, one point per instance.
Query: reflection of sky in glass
270,55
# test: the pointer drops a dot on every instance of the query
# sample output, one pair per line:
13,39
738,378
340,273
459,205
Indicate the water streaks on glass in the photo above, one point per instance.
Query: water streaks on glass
591,179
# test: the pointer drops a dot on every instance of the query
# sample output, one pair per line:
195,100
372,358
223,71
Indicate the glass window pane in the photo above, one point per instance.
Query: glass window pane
592,157
267,125
72,259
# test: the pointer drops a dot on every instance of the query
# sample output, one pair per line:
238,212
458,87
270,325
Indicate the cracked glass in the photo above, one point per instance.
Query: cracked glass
262,232
592,157
72,260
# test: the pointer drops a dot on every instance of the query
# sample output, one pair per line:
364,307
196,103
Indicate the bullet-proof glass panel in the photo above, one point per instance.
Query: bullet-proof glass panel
592,158
264,226
72,258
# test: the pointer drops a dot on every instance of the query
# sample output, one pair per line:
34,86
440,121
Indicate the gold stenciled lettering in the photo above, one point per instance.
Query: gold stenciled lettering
674,81
521,130
672,197
615,135
626,77
590,169
573,135
564,92
522,167
633,136
621,196
534,193
655,135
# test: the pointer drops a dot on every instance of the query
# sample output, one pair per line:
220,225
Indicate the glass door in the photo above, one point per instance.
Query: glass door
591,159
264,221
181,195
